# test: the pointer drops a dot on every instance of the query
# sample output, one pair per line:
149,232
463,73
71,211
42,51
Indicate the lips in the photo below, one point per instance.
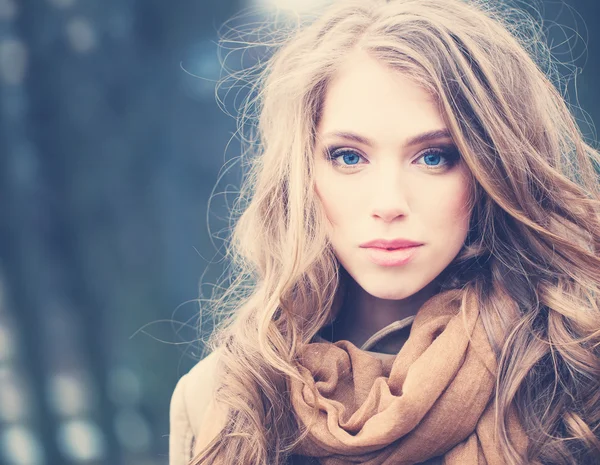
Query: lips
391,244
393,257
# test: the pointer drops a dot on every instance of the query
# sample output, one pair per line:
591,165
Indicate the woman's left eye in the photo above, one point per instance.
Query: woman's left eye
433,155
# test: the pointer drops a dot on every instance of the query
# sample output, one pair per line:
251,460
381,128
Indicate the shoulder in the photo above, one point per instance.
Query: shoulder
193,400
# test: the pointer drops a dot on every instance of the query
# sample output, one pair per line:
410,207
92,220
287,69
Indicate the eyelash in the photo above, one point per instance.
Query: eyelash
449,153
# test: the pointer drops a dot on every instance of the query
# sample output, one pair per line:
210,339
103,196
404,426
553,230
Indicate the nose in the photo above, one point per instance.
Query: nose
390,194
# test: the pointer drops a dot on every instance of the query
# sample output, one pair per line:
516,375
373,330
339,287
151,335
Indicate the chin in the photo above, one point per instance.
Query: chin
391,292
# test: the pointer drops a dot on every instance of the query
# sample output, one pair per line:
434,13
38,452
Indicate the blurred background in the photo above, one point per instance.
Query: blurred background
115,180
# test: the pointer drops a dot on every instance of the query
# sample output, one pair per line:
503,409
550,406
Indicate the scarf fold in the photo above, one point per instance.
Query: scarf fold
434,398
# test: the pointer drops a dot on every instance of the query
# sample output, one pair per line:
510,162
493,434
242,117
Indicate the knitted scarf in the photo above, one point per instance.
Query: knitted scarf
434,398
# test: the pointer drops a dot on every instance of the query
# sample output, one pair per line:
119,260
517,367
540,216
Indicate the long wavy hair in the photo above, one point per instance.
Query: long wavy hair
530,258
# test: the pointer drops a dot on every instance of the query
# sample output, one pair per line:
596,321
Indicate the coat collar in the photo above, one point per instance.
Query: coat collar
384,343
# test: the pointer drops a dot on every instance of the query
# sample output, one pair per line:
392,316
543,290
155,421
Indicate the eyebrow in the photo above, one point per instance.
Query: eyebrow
415,140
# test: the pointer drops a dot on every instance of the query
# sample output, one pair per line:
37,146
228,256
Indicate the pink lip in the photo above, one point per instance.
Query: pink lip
391,244
396,257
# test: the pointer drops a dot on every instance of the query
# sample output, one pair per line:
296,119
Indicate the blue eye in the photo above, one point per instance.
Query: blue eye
348,155
433,156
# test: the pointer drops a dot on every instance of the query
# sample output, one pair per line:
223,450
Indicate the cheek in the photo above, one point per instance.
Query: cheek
450,213
339,202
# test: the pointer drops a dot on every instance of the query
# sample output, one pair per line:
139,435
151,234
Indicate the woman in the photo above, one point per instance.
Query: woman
427,127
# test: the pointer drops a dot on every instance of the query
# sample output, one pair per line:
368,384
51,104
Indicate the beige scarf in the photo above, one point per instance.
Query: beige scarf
434,398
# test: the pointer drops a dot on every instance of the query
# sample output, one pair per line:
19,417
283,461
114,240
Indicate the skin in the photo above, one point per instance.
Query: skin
386,189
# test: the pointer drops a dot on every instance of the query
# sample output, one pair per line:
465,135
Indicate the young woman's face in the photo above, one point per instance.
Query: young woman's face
383,183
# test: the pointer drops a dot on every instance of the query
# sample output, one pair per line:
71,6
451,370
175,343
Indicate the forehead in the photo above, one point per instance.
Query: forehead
373,99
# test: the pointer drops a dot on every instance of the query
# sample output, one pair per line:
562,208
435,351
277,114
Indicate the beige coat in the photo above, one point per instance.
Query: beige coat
195,418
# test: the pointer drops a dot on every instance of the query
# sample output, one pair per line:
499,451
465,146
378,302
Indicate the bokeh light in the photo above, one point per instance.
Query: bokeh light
81,34
81,441
13,61
20,446
133,431
292,6
70,395
8,9
15,403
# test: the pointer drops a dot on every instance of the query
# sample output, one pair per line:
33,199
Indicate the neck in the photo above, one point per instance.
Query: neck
361,314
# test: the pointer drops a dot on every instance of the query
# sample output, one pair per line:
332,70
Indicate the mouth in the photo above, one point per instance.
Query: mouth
398,243
392,256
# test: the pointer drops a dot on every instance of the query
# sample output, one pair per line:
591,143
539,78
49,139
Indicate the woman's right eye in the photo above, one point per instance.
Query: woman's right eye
347,157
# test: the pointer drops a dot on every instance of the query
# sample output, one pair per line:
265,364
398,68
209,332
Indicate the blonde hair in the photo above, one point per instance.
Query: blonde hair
531,256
